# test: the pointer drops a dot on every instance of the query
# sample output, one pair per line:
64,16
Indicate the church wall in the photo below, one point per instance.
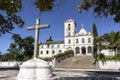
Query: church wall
51,50
76,42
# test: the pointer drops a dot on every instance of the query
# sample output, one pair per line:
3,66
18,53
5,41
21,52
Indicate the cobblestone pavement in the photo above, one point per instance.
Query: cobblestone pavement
63,75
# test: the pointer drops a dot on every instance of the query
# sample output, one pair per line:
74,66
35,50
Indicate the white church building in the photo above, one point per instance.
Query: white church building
80,42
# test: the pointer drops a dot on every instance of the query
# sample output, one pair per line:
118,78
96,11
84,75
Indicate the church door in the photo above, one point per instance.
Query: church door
83,50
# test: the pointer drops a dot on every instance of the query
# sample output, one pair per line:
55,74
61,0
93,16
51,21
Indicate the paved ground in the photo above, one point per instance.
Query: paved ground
87,75
59,74
8,74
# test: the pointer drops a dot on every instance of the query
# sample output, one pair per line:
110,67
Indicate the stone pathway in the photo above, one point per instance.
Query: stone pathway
63,75
8,74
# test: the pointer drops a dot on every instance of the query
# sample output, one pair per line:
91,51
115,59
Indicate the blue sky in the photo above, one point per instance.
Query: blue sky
56,20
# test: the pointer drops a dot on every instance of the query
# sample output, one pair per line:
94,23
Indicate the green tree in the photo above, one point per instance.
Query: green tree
95,39
47,5
22,47
113,40
18,54
95,33
102,8
9,16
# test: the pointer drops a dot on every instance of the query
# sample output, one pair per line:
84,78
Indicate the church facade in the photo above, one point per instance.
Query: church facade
80,42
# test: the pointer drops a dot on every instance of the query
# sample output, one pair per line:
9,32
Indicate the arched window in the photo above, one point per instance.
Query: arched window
89,49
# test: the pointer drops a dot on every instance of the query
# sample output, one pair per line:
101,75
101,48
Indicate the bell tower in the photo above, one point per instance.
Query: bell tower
69,28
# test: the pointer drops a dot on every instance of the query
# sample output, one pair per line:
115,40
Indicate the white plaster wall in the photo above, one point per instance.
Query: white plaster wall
109,65
10,64
55,48
108,52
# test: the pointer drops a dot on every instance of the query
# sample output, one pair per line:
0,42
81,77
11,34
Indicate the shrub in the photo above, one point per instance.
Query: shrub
26,58
57,55
101,55
64,54
47,58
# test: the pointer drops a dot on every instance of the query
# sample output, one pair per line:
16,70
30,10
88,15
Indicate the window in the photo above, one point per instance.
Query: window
83,40
48,46
89,49
82,33
41,52
47,52
41,46
77,50
89,40
52,46
68,33
68,26
77,41
58,45
69,41
53,52
60,51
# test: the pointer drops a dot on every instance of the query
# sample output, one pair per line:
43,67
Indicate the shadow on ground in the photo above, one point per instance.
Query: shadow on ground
93,75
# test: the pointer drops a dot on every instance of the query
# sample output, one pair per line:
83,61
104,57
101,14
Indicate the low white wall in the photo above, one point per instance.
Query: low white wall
10,64
109,65
108,52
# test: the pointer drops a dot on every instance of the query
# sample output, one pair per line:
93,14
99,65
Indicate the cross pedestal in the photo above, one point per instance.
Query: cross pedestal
35,69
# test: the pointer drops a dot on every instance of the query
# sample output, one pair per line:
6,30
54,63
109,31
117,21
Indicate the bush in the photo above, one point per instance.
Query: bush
63,54
26,58
47,58
57,55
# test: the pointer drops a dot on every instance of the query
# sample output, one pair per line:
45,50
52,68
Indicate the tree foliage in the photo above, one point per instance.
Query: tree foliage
102,8
113,41
22,47
45,5
95,33
9,9
95,39
9,16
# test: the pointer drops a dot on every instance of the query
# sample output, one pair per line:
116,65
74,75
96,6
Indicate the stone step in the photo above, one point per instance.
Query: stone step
77,62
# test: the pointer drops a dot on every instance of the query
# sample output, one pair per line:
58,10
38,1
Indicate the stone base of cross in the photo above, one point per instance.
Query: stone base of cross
35,69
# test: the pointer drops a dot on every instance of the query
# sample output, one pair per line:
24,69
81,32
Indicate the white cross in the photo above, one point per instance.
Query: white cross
36,28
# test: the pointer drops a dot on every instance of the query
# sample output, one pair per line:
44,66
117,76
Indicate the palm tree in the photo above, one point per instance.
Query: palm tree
113,40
